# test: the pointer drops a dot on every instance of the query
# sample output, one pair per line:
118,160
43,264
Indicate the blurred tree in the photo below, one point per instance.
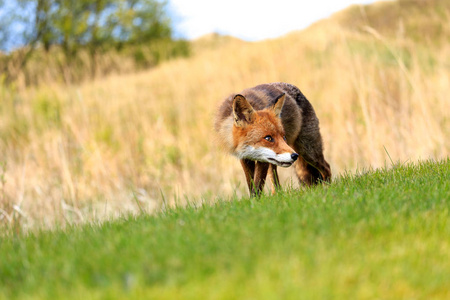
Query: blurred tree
95,25
83,22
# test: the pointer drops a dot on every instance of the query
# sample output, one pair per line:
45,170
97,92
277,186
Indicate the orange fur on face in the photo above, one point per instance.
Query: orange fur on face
254,133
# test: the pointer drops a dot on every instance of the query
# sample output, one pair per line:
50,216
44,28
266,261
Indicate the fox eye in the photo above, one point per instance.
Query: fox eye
268,138
284,137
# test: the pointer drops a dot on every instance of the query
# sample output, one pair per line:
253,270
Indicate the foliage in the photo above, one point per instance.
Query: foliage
72,24
83,28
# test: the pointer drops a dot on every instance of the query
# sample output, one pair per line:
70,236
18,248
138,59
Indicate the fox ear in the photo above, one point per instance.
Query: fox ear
243,112
278,106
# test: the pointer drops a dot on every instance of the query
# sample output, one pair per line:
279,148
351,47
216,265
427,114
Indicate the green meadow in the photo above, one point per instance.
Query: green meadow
374,234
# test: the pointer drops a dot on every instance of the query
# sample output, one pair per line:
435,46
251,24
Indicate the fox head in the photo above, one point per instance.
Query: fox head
259,135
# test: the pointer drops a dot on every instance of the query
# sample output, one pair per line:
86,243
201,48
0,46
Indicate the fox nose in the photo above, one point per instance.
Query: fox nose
294,156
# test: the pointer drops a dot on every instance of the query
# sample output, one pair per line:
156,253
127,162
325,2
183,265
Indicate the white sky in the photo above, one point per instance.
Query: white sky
250,20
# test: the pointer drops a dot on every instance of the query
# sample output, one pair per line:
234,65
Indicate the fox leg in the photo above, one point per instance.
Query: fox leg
324,168
312,173
306,174
273,176
261,169
255,174
249,170
311,167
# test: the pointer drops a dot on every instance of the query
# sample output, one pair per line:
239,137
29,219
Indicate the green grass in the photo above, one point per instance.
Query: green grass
384,234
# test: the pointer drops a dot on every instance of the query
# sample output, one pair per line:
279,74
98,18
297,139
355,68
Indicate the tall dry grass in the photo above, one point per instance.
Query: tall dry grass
142,141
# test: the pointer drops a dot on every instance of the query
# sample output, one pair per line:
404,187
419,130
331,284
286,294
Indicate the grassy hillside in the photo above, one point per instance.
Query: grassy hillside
377,76
377,235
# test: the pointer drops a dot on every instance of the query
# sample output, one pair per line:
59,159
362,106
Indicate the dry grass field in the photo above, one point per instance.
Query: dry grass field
378,77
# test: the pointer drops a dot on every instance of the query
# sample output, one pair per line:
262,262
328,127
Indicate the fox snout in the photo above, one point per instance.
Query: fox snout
283,160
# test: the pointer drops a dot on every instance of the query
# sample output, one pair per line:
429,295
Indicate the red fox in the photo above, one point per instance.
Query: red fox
272,125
